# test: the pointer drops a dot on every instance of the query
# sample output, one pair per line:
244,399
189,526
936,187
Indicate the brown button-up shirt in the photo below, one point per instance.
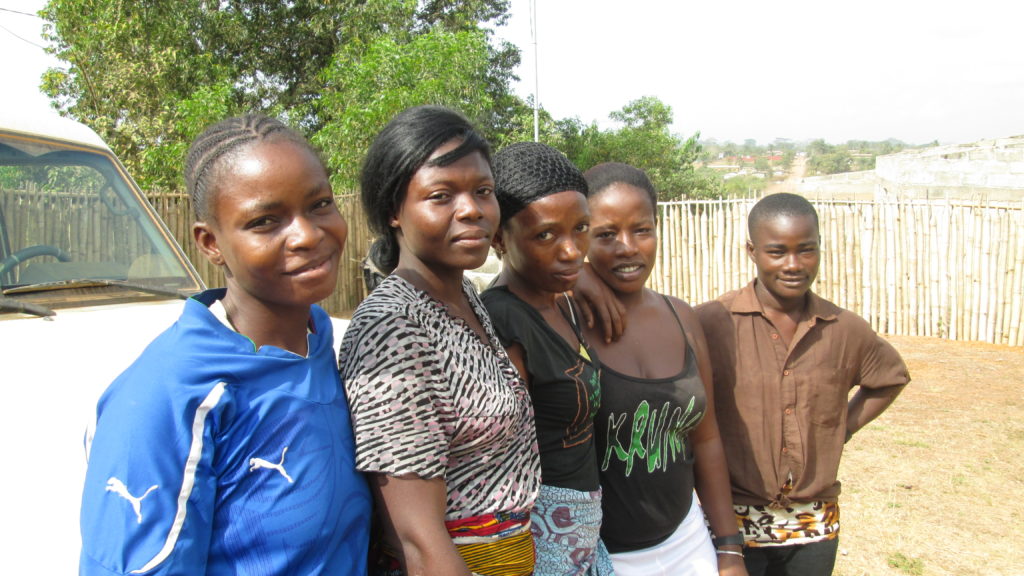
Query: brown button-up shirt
782,411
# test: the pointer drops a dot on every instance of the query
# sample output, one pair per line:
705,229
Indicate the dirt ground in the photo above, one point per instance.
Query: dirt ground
935,485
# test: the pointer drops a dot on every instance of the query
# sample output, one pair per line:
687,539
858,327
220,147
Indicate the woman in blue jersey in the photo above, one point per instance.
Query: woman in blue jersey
657,436
542,241
226,447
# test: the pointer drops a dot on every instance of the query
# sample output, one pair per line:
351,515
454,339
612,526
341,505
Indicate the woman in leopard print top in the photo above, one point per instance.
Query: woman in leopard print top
443,423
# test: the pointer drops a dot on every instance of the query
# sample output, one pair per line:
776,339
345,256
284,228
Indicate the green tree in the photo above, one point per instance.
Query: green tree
819,147
124,73
743,186
365,86
787,159
504,107
643,139
149,75
830,163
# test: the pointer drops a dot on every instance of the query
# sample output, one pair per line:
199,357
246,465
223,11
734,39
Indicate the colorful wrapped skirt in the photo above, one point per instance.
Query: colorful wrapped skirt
566,526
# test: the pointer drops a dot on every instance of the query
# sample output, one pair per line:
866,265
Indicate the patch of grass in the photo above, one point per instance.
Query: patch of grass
912,566
913,444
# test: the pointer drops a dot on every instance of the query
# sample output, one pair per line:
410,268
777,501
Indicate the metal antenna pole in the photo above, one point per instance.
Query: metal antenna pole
536,73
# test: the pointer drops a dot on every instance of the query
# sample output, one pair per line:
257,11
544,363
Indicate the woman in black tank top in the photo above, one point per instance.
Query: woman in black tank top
657,439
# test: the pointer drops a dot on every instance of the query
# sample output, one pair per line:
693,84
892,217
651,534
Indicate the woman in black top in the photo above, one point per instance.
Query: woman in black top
542,239
657,435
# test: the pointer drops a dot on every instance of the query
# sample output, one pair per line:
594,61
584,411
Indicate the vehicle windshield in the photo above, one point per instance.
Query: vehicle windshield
68,213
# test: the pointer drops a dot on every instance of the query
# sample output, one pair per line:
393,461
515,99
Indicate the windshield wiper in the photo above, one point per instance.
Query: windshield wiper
87,283
15,305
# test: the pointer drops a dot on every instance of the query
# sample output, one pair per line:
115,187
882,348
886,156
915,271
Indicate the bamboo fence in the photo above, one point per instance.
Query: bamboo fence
913,267
175,210
74,220
924,268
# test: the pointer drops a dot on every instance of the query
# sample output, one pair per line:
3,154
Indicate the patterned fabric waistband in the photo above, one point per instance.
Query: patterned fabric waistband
797,523
490,545
488,527
495,544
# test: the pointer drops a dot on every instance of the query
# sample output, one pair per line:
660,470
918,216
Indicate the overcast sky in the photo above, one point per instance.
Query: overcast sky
916,70
22,60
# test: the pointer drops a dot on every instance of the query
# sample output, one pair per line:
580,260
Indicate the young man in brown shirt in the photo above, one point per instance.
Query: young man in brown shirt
784,361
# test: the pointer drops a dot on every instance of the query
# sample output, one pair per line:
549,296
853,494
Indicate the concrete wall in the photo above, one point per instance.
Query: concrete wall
846,186
987,170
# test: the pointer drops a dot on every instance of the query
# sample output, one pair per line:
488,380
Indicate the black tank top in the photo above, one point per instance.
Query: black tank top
644,452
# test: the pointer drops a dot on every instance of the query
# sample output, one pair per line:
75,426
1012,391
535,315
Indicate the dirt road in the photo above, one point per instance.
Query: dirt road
796,174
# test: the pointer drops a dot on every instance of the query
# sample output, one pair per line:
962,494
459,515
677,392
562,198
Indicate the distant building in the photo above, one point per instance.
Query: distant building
987,170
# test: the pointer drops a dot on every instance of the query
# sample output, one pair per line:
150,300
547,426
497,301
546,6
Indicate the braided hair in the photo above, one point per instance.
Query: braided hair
602,176
397,153
219,144
525,172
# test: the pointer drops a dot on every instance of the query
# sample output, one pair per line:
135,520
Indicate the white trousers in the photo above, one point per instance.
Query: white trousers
687,552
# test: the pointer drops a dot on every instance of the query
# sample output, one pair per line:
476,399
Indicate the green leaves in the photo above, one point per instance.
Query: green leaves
149,76
643,139
364,87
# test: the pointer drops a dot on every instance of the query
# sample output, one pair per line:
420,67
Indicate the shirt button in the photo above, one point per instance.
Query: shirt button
785,372
785,450
775,336
789,411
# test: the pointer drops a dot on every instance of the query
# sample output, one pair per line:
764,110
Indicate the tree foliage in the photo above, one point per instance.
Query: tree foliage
364,87
643,138
148,76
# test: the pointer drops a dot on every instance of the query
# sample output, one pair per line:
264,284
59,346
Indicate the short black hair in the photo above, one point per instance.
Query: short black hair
219,143
528,171
602,176
780,204
397,153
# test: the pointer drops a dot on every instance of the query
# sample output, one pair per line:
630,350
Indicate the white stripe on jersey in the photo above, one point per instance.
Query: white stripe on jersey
194,453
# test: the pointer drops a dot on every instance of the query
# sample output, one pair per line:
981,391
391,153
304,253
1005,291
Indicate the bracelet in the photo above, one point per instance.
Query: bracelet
730,540
729,552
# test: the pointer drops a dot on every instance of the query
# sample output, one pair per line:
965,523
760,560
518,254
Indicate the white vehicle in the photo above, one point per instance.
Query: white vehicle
89,275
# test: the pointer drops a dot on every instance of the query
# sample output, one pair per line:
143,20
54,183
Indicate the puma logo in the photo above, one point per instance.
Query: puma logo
257,463
117,487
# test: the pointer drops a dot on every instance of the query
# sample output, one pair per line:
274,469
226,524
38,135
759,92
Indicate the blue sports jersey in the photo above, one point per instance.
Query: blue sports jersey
210,457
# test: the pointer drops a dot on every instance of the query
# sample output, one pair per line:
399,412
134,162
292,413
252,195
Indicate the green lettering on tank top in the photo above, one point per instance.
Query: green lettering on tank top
636,441
612,440
657,437
656,434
